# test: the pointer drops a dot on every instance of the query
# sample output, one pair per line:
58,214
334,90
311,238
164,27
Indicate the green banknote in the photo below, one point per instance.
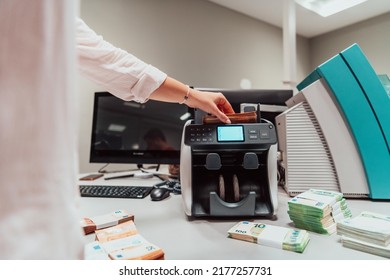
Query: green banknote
284,238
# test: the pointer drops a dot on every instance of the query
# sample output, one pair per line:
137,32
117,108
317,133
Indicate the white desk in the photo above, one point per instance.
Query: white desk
165,224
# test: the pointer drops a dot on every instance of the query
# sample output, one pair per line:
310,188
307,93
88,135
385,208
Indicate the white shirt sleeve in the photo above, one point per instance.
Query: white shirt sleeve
121,73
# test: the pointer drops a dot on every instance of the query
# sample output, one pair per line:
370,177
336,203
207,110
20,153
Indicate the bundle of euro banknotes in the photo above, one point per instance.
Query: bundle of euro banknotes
121,242
368,232
90,224
270,235
318,210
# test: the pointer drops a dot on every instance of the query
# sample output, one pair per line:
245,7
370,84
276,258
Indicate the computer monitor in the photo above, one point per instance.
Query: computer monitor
135,133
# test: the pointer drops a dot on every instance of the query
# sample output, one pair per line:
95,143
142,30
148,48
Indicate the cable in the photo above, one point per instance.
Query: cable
267,121
101,169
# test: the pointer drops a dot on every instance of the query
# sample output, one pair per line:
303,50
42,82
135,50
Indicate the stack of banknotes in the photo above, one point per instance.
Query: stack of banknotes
122,242
90,224
368,232
269,235
318,210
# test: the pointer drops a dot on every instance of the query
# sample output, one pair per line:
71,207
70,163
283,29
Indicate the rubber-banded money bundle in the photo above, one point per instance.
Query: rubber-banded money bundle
89,225
284,238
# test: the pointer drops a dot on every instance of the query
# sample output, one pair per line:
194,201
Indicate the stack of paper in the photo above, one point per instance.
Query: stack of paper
318,210
273,236
368,232
122,242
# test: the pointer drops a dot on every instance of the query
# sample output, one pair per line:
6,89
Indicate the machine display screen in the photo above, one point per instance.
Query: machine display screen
230,133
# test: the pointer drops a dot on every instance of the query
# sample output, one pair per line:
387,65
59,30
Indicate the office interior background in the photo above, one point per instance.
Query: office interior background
204,44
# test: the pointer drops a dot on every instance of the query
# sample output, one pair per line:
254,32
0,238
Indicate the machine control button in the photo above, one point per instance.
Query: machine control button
264,134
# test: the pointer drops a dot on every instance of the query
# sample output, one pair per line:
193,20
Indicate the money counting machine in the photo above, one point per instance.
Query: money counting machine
229,170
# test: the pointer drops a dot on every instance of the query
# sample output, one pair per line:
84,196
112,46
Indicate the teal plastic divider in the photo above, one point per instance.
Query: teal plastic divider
363,121
372,87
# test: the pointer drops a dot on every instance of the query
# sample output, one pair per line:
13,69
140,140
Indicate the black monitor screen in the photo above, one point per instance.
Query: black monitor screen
130,132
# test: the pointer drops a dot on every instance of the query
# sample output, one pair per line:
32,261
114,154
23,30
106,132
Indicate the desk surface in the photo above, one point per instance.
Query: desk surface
165,224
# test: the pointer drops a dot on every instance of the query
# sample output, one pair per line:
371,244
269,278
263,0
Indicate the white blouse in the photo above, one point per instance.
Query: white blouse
119,72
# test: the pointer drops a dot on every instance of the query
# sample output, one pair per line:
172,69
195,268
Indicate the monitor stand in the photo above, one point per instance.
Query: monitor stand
140,167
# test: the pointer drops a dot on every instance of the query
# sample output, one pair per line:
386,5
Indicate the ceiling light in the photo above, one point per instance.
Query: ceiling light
327,8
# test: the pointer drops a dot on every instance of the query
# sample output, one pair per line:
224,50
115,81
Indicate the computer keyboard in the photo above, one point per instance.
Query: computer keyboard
114,191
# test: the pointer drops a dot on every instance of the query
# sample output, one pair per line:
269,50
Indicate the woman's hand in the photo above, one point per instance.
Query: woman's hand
214,103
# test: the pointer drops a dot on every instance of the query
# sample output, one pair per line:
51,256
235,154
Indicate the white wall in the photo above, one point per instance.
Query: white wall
194,41
372,35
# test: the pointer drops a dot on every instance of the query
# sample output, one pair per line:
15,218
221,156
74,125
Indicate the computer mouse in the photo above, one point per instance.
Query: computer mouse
158,194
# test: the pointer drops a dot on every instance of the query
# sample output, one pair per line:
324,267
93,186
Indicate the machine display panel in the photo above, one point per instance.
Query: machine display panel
230,133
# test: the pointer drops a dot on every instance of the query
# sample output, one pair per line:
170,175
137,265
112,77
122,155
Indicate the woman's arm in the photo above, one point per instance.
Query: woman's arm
214,103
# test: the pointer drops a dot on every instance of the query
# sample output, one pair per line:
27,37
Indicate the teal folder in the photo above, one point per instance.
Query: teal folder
367,124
